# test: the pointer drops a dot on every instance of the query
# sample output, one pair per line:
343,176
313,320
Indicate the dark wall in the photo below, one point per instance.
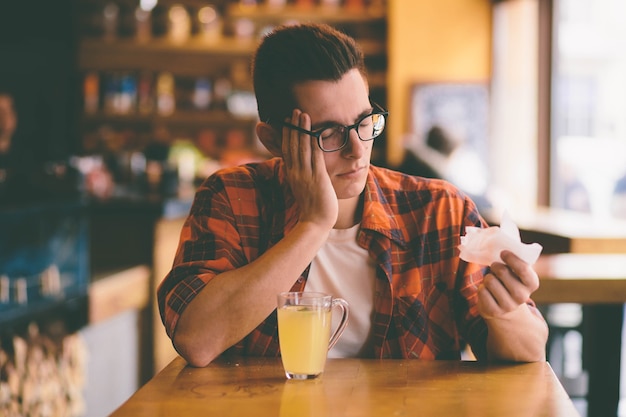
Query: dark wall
37,67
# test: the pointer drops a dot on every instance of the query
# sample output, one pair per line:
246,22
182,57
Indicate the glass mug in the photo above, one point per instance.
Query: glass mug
304,331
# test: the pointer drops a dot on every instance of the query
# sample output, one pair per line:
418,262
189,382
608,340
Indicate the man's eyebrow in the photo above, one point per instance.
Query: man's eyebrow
329,123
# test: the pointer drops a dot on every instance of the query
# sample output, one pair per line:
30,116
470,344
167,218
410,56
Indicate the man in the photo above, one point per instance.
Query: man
320,217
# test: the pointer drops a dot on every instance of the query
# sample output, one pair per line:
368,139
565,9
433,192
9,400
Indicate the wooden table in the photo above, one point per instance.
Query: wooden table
598,281
581,278
566,231
352,387
581,273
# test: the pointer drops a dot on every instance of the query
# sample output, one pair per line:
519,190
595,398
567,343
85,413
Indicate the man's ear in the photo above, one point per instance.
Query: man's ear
270,138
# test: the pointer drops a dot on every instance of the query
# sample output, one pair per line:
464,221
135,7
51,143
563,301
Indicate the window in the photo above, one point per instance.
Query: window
559,105
588,113
514,114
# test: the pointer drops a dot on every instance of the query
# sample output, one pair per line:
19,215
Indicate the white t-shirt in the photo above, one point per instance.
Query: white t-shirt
328,274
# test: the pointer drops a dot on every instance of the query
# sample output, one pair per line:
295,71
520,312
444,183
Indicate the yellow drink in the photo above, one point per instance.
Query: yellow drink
304,332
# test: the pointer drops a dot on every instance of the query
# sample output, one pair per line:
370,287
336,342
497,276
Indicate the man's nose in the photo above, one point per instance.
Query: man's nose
354,145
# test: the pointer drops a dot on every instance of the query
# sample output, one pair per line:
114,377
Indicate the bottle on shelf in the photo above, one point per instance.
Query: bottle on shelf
143,20
166,101
91,92
179,24
145,93
143,25
202,94
110,20
127,102
209,23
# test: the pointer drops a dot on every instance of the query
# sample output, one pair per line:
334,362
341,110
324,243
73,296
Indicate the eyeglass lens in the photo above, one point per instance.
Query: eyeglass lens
369,127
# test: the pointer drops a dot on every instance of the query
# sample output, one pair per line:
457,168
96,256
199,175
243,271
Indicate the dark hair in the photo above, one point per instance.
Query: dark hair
441,140
292,54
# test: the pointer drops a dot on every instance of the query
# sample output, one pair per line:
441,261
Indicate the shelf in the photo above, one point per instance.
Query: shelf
223,56
195,57
264,14
182,118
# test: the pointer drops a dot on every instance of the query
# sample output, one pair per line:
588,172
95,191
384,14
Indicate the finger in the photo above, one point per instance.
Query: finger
517,289
500,293
304,142
285,148
521,270
293,139
288,140
318,163
487,305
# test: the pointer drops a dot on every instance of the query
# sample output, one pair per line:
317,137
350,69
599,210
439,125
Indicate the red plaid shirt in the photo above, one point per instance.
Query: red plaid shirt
425,296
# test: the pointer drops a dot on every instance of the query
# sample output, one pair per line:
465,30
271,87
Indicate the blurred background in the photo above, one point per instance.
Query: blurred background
113,111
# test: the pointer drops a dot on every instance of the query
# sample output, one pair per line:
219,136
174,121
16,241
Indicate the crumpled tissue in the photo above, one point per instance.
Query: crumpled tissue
483,246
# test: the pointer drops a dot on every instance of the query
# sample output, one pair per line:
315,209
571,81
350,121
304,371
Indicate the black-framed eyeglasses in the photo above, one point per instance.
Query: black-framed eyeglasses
335,137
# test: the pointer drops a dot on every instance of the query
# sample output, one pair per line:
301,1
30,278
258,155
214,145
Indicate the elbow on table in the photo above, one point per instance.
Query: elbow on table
194,352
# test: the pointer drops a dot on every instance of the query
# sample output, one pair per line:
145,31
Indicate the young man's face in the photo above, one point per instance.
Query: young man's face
342,102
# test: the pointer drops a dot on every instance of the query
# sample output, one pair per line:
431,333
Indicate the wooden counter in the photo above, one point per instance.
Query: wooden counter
581,278
598,281
352,387
113,293
566,231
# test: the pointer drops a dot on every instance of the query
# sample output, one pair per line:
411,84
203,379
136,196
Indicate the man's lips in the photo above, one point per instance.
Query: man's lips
354,172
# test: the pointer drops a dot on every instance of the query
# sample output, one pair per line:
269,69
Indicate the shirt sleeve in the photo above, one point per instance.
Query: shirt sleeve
209,245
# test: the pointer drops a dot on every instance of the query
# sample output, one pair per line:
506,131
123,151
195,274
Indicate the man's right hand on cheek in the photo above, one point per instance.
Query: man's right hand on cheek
307,175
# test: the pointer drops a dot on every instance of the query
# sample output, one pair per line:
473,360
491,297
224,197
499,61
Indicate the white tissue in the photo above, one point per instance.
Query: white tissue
483,246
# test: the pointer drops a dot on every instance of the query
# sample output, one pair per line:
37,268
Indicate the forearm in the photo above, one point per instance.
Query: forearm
518,336
233,303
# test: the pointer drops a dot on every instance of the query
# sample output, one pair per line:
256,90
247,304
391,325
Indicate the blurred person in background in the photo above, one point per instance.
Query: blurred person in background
8,123
444,155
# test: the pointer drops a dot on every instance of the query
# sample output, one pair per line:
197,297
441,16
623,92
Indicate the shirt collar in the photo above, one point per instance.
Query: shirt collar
377,214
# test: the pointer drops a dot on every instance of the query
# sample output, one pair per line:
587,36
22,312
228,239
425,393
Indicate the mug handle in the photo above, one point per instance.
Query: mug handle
345,312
